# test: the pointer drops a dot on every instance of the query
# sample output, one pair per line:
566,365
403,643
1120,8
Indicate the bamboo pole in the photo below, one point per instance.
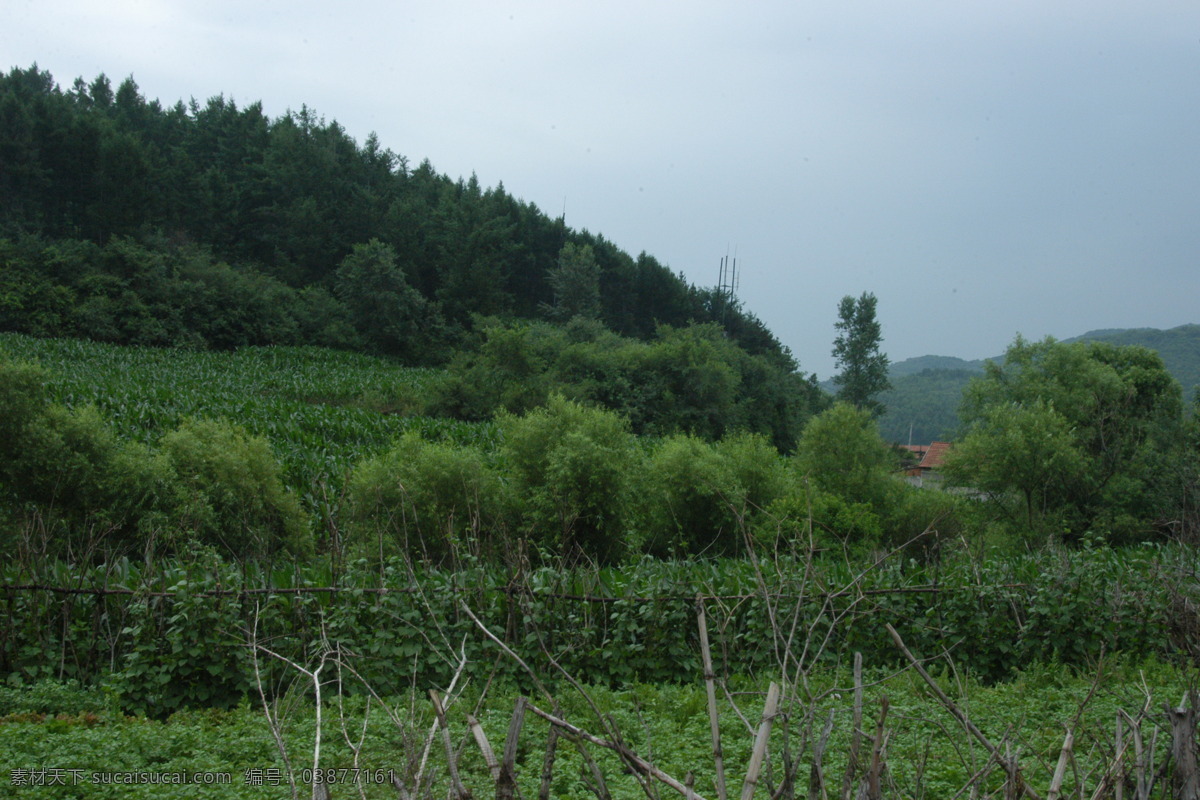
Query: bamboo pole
770,708
1060,770
506,784
489,755
714,722
855,730
1185,779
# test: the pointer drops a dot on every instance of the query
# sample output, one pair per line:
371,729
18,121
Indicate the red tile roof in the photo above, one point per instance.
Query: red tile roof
935,456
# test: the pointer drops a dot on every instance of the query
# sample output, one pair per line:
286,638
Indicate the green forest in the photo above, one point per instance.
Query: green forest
272,400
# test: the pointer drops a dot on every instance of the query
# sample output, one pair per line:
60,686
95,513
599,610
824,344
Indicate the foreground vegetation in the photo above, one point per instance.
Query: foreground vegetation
929,756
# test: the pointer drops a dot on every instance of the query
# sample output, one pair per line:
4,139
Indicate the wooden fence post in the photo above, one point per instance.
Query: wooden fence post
1185,779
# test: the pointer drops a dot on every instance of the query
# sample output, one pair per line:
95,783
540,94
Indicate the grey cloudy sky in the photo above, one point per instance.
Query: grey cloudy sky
985,168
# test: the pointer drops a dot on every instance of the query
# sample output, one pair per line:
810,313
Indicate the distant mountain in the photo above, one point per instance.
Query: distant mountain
915,366
926,390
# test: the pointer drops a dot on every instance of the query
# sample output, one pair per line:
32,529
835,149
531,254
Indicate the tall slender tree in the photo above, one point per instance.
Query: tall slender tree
864,368
576,284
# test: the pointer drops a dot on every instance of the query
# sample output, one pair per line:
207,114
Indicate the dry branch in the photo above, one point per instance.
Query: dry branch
816,776
632,759
1009,766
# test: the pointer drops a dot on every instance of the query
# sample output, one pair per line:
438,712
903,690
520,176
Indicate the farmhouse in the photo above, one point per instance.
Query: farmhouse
928,468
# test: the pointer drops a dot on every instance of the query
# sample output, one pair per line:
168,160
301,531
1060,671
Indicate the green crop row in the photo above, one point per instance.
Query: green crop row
175,633
321,410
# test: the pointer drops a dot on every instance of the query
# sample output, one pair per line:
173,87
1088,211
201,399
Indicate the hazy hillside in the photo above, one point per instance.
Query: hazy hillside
926,390
915,366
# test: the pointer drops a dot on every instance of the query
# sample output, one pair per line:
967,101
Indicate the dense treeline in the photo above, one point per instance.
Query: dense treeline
129,221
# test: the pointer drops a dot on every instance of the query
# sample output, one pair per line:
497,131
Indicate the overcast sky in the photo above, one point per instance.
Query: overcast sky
985,168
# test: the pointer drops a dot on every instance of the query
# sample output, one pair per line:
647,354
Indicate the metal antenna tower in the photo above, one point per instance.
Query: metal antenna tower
728,280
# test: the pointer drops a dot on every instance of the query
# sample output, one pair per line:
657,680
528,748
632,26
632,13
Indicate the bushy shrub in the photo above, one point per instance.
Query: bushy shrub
688,505
822,521
507,374
574,470
235,498
22,400
701,498
756,468
424,499
68,467
842,453
923,519
691,379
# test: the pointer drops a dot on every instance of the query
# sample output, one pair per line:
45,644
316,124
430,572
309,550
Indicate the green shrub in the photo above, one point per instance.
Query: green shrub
822,521
756,468
424,499
574,470
700,497
842,453
688,504
48,696
923,519
235,499
68,467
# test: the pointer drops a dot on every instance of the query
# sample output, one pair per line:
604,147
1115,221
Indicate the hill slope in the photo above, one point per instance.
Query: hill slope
129,221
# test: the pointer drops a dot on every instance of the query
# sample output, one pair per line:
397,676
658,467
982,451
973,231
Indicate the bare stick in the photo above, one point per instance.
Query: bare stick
506,785
548,764
599,786
456,783
1115,774
710,686
272,717
770,708
872,782
816,777
508,650
1119,762
1186,779
485,747
960,716
855,728
635,761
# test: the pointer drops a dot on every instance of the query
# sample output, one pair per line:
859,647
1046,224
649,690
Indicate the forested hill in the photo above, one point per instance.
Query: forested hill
926,390
206,224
